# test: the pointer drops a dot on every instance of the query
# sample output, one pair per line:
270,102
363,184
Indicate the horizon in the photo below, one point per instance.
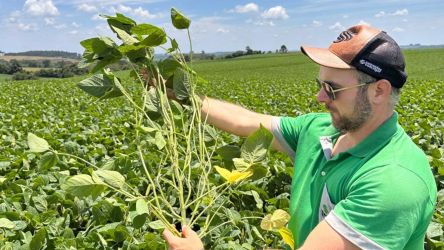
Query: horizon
218,26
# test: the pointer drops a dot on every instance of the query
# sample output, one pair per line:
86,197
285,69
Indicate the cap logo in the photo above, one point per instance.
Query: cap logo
370,65
344,36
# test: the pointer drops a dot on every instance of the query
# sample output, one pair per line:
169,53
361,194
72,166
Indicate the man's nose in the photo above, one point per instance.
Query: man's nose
322,96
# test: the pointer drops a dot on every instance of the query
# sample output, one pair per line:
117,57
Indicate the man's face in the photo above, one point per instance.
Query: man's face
351,108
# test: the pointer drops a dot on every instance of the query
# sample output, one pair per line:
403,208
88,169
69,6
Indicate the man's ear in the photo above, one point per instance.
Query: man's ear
381,91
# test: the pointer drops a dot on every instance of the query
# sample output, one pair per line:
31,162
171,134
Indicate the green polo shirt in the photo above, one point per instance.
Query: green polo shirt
379,194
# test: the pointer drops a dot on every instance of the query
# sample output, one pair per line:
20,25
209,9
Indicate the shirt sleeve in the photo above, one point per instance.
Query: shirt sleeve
383,209
286,131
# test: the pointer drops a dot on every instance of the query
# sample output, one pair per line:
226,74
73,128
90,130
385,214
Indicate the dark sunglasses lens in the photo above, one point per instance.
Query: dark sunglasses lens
328,89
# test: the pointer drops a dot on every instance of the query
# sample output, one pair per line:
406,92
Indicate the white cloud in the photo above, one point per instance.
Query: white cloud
222,30
144,13
250,7
397,29
277,12
316,23
75,25
60,26
97,17
337,26
123,8
140,12
73,32
87,7
402,12
405,20
380,14
345,16
364,23
27,27
41,8
49,20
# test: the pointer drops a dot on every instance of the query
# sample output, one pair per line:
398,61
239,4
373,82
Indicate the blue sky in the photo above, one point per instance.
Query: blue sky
219,25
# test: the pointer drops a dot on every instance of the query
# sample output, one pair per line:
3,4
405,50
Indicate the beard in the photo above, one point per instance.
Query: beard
361,112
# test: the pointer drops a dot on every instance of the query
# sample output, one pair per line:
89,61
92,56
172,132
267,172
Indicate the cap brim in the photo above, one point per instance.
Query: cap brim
325,57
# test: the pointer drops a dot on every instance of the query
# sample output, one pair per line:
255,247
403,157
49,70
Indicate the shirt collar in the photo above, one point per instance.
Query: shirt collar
377,138
372,142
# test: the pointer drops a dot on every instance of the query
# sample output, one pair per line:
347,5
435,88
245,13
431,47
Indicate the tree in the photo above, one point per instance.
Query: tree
249,50
46,63
283,49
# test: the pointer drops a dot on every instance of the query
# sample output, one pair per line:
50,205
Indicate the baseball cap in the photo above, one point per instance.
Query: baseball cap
366,49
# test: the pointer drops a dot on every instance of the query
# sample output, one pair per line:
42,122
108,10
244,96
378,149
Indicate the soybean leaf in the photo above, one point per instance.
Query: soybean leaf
139,220
156,224
124,36
168,66
228,152
112,178
141,207
277,220
38,240
5,223
159,140
233,176
287,236
256,145
48,160
145,29
156,38
179,20
120,21
101,85
152,101
181,84
37,144
82,185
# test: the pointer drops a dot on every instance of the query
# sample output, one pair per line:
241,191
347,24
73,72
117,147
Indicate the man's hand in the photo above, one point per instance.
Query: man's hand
190,240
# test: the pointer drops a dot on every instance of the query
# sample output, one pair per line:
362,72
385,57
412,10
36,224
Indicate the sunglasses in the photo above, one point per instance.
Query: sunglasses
331,91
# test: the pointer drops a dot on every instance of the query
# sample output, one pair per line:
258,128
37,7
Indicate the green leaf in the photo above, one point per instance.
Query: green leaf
157,38
112,178
124,36
152,102
37,144
181,84
179,20
228,152
256,145
5,223
139,220
168,66
48,160
38,241
82,185
156,225
101,85
145,29
141,207
159,140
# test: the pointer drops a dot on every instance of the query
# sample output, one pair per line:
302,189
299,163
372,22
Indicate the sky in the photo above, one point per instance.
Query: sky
219,25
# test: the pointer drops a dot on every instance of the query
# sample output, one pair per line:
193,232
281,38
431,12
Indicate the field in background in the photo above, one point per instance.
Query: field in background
58,111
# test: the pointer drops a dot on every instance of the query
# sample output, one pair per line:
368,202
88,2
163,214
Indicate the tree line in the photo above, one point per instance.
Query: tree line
47,53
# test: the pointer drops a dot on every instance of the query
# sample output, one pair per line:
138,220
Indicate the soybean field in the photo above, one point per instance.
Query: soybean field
70,165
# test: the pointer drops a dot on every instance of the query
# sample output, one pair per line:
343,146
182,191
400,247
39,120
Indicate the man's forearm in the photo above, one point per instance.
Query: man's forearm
232,118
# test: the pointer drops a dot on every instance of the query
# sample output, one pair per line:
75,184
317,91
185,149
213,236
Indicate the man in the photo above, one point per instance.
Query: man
359,181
